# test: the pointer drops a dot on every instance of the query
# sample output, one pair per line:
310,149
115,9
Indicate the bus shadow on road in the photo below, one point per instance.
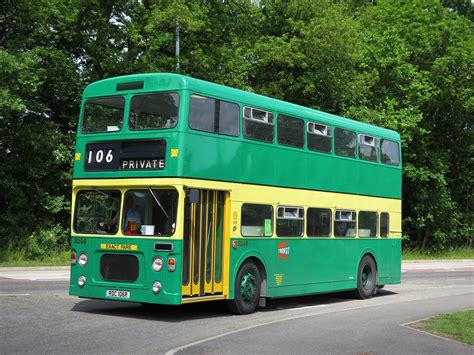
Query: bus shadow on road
204,310
163,313
319,300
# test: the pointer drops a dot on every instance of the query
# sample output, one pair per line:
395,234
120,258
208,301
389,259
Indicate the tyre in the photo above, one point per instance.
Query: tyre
247,289
366,278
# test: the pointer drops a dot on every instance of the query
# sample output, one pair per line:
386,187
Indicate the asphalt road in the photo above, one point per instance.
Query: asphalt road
37,316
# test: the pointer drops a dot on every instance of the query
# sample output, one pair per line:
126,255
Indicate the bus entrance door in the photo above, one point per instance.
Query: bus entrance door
202,243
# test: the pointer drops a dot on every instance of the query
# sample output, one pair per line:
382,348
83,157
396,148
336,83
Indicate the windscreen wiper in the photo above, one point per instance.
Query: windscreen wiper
158,202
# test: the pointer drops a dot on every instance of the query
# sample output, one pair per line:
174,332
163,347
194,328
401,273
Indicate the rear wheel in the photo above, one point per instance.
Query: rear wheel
247,289
366,278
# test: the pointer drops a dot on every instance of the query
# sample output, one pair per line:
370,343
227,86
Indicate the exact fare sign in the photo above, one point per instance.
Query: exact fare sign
125,155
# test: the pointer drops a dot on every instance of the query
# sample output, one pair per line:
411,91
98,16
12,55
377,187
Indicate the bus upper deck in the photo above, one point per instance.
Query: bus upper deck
172,125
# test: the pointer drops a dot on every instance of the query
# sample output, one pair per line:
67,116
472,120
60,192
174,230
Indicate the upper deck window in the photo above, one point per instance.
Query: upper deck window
389,152
154,111
290,131
345,143
103,115
215,116
368,148
258,124
319,137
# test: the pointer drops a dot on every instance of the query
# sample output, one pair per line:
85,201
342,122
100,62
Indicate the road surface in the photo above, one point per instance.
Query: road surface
37,316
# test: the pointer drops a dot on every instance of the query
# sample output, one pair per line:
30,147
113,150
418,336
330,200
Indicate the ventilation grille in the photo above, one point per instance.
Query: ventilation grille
135,85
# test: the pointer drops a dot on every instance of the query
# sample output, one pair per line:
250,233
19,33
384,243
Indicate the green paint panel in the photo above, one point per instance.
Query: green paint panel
217,157
307,266
140,290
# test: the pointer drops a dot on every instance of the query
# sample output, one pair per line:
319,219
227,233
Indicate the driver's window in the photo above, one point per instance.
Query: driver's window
97,211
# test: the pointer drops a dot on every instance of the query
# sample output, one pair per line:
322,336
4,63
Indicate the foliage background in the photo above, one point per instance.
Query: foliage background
406,65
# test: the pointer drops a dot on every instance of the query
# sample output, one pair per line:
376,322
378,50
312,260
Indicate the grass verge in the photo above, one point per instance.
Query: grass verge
17,258
457,326
463,253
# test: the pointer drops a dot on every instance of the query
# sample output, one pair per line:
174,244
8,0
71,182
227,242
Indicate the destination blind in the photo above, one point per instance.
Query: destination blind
125,155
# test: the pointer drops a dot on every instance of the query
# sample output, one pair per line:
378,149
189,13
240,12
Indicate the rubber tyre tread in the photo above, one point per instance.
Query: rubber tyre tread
360,292
237,305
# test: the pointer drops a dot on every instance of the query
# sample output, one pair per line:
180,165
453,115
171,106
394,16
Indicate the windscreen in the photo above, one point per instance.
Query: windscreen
97,211
103,115
154,111
150,212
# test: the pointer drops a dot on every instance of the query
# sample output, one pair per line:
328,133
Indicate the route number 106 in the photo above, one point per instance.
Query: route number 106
99,156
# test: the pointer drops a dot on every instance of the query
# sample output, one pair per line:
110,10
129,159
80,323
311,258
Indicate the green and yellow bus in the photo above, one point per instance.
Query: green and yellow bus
187,191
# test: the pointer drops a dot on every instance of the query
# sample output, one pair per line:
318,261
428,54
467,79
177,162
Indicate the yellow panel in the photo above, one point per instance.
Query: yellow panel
224,285
207,286
195,286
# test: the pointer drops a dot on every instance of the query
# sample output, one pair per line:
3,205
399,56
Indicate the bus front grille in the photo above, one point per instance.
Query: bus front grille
119,267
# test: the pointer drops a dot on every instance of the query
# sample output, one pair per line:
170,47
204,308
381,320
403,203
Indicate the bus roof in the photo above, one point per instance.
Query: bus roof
140,83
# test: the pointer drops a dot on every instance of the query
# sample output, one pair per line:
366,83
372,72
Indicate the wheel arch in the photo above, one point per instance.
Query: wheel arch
258,260
370,252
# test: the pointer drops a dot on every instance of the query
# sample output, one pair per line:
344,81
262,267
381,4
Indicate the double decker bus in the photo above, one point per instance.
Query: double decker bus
187,191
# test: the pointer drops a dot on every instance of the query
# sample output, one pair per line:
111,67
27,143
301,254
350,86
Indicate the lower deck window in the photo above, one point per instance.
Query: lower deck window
150,212
367,224
345,223
290,221
257,220
318,222
384,225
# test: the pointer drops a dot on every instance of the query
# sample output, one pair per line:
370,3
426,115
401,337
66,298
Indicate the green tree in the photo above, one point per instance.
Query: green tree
422,54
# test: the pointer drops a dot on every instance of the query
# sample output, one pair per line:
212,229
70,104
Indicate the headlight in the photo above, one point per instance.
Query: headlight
156,287
81,281
157,263
82,259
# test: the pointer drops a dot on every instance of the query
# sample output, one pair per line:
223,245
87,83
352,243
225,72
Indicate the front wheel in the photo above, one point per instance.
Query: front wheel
247,289
366,278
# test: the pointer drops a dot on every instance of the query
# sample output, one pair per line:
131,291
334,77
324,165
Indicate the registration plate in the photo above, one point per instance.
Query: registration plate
118,294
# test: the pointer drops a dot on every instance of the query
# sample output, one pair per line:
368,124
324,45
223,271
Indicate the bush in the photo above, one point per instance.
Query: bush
44,243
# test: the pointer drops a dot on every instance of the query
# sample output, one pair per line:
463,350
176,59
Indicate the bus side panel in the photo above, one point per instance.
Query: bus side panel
298,266
396,261
208,157
229,159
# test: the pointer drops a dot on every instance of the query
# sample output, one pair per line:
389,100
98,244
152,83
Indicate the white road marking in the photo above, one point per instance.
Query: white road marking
307,307
300,316
175,350
14,294
36,275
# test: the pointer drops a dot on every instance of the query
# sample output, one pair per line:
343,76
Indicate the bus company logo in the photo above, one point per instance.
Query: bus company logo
283,250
